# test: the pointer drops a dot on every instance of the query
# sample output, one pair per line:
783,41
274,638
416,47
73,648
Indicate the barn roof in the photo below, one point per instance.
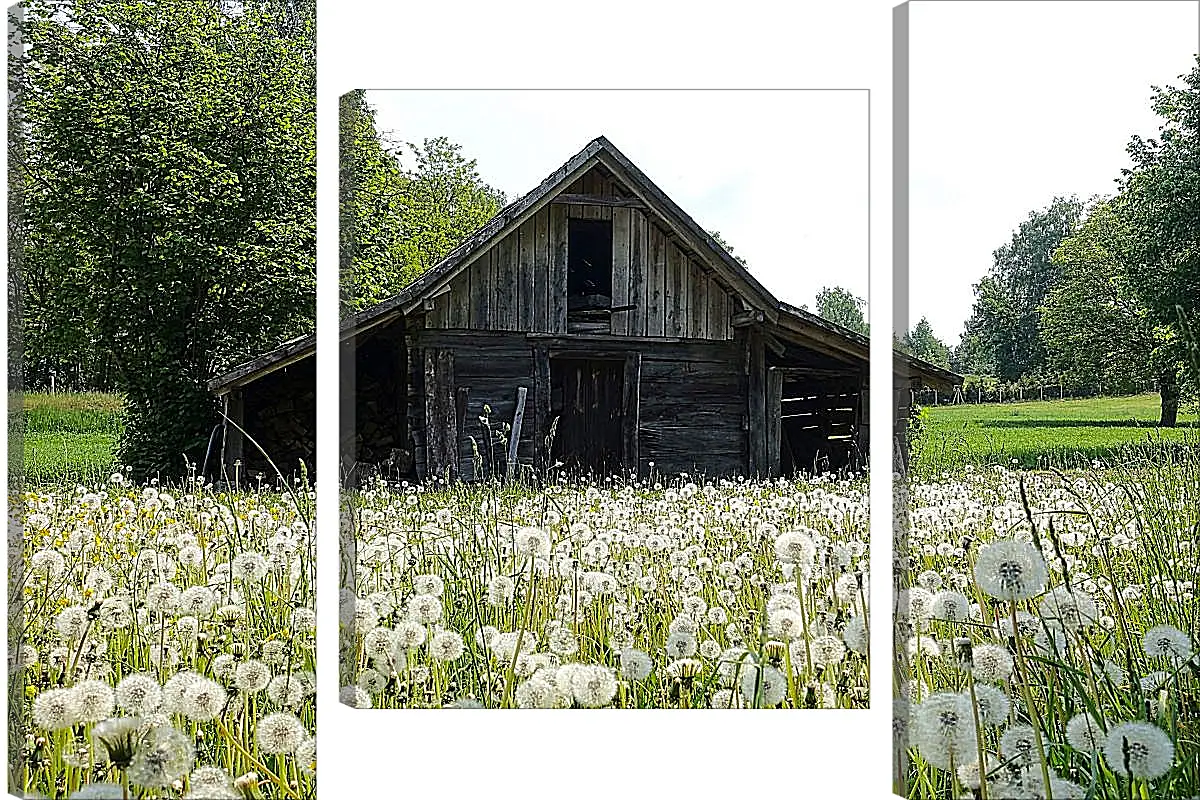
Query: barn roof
789,320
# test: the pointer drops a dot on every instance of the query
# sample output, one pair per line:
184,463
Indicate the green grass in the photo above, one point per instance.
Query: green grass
1045,433
71,437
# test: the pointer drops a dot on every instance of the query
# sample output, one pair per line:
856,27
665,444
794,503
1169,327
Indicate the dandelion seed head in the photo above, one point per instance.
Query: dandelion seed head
1085,734
1139,749
280,733
252,676
1010,570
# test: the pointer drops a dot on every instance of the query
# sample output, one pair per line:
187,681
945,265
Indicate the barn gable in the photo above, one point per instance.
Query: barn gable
594,259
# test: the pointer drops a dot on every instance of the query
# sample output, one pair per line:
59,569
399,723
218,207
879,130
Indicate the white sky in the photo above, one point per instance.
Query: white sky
781,174
1013,103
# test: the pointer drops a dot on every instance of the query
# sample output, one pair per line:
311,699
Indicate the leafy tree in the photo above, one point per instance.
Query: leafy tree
1093,323
922,343
728,247
445,202
370,208
1004,325
970,356
1161,206
169,157
398,223
842,308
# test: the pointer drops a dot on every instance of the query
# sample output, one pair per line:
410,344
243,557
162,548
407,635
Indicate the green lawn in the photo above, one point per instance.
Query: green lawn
71,437
1047,433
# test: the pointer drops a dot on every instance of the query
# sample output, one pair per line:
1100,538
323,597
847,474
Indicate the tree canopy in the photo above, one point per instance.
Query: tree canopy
396,223
924,344
1003,330
842,307
167,172
1110,294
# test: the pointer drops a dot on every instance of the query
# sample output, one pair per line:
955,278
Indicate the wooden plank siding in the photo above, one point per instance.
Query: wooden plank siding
636,317
519,284
558,270
619,322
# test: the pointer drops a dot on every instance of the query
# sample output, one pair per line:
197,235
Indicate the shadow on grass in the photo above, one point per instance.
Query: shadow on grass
1080,423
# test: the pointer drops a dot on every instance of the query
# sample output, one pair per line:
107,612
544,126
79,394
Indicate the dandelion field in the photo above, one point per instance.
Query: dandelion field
1097,695
162,643
692,594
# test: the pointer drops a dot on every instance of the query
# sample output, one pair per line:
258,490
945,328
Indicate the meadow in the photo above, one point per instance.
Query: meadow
1037,434
672,593
164,645
71,437
1047,622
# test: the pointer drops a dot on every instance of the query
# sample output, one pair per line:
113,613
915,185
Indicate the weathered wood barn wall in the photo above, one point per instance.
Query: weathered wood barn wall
594,307
277,408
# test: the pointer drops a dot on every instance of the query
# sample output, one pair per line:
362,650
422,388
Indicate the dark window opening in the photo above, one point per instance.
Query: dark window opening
589,264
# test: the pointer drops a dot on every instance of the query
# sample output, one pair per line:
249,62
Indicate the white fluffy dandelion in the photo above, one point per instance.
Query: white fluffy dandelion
1085,734
593,685
164,756
280,733
1167,641
55,709
795,547
763,687
203,700
993,704
1011,570
425,608
943,729
94,700
636,665
446,646
827,651
252,676
991,663
1139,749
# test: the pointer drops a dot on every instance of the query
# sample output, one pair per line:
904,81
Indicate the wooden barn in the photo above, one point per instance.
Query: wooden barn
596,308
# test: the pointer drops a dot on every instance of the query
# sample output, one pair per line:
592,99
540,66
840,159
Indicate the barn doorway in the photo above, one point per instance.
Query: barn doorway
588,396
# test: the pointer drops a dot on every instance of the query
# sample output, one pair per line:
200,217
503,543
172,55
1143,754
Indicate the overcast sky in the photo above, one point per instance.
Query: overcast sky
781,174
1013,103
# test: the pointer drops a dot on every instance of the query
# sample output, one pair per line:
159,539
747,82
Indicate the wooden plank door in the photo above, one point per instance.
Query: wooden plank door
591,430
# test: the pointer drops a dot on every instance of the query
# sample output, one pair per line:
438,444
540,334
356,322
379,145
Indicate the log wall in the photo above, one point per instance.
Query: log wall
689,412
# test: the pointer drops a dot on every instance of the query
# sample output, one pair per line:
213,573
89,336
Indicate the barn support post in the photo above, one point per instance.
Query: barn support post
863,432
400,400
461,401
541,408
774,420
631,411
757,412
348,440
514,438
441,426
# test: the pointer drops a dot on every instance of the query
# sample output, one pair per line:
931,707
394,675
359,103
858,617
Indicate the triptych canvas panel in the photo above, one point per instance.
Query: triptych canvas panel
604,406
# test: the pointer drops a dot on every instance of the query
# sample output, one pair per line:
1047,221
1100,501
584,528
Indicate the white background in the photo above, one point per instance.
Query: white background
781,174
610,44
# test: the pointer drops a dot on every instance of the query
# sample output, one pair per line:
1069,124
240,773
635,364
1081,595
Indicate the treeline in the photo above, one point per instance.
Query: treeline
1102,295
396,223
162,190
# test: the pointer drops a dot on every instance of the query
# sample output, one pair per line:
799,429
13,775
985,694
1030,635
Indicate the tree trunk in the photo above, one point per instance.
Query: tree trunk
1168,390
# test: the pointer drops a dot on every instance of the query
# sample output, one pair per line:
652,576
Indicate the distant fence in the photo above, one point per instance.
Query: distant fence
996,392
